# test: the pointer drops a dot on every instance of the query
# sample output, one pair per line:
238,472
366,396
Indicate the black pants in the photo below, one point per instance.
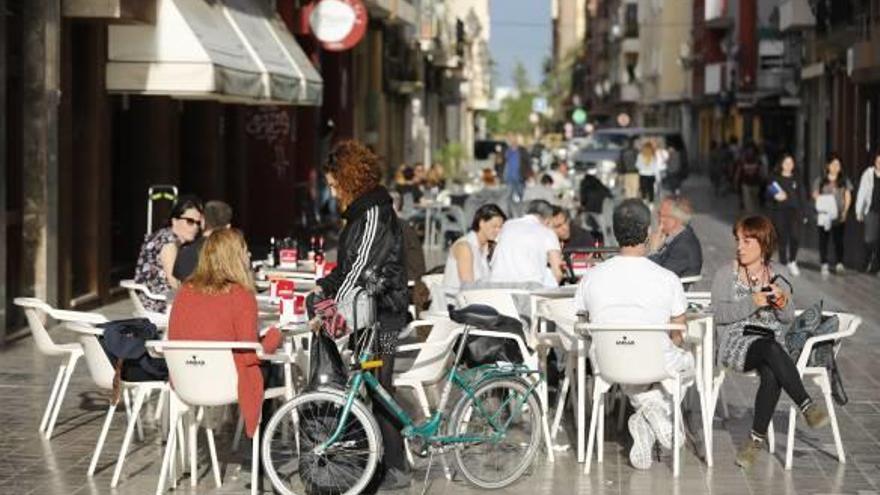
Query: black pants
787,222
834,235
646,186
392,440
778,372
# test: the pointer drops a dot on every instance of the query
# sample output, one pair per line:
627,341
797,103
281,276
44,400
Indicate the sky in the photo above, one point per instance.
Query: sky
520,30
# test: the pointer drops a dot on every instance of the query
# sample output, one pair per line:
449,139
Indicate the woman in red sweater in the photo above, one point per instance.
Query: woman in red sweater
218,302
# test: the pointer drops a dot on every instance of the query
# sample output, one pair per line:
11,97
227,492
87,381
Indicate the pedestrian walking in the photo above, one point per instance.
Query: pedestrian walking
787,200
626,167
516,167
868,211
646,164
749,181
832,193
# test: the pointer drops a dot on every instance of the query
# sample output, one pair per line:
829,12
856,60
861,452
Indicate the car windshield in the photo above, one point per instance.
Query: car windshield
603,142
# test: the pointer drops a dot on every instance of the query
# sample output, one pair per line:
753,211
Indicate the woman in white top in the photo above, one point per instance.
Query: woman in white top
646,163
468,260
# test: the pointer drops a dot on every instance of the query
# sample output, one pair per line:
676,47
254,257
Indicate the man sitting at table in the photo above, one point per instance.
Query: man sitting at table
218,215
674,245
632,289
525,248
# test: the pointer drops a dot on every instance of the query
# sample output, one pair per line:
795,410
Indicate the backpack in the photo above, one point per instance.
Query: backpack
808,324
124,343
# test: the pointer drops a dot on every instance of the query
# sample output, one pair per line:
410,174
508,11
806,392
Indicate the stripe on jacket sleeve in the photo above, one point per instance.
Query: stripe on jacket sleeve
363,254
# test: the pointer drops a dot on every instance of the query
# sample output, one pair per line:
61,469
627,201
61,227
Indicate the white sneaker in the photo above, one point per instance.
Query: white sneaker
661,426
640,456
793,269
839,268
824,270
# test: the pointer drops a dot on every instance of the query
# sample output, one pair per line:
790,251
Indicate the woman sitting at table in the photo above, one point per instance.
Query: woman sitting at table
218,302
155,264
468,260
752,314
371,244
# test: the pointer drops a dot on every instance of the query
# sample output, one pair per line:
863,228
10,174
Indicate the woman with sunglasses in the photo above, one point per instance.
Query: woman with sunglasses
155,263
752,310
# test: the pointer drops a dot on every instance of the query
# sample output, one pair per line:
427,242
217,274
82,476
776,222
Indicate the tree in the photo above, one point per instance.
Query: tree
521,78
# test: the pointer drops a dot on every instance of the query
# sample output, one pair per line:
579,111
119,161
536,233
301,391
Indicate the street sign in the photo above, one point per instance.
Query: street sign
579,116
337,24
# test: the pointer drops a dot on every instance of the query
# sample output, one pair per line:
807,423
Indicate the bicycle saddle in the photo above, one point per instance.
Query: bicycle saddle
478,315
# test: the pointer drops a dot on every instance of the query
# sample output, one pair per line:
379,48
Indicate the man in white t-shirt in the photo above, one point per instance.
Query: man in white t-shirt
630,288
528,250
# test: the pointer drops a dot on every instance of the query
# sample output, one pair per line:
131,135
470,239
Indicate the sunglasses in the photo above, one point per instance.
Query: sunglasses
190,221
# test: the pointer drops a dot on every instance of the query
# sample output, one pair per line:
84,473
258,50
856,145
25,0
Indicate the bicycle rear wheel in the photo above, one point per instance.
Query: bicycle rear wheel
307,421
506,418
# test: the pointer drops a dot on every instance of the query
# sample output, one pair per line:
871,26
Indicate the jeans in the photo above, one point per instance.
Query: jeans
778,372
834,235
787,222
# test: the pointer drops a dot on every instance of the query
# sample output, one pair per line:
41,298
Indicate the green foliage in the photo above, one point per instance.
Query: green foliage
513,116
450,156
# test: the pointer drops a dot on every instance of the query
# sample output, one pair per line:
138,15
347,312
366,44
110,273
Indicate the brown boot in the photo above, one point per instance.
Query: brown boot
816,416
749,452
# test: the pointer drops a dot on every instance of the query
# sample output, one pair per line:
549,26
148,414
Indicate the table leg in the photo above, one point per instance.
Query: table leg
581,397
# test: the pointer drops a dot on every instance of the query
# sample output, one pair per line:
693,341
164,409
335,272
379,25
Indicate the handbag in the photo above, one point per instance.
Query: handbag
124,343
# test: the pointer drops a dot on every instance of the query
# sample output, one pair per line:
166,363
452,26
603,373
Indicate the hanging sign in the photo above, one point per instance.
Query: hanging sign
337,24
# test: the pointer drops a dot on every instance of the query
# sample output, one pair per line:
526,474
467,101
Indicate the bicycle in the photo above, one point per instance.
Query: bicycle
493,431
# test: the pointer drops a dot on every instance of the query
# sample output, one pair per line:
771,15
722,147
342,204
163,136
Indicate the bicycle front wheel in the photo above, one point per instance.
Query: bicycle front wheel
503,422
293,433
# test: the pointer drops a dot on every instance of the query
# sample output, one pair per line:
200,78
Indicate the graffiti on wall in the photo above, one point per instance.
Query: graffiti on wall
274,126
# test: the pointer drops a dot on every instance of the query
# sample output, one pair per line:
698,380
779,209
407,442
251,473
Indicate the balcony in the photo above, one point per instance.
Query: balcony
776,80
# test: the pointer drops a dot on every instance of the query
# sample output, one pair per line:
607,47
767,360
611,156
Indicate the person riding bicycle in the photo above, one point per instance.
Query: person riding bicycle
371,241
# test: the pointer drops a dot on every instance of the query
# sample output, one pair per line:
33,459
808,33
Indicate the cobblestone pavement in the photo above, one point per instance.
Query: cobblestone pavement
29,464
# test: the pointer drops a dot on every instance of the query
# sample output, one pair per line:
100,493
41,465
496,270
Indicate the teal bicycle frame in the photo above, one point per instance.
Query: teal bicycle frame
429,430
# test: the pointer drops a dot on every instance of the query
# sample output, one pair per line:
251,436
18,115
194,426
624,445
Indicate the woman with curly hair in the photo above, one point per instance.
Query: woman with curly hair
371,242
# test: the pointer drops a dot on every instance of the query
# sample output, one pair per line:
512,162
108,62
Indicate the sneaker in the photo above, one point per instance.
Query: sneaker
749,452
839,268
825,272
816,416
793,269
661,426
640,455
395,479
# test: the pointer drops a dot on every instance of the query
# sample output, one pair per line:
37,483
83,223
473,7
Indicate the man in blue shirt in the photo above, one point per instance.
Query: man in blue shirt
515,167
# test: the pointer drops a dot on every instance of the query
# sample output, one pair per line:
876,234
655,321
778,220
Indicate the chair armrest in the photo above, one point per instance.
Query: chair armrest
278,357
812,341
83,328
133,286
65,315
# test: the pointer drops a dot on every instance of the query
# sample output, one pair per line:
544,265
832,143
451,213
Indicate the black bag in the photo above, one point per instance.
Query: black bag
326,368
810,323
481,350
123,342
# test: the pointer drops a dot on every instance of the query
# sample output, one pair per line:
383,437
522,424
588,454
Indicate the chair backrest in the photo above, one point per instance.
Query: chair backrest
631,354
430,363
560,311
500,299
202,373
848,323
99,365
36,312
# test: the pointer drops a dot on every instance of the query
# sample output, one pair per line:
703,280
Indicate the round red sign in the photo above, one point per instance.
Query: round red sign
337,24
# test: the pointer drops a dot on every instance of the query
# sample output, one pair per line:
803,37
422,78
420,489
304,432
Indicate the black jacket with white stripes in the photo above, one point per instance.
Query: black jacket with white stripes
371,241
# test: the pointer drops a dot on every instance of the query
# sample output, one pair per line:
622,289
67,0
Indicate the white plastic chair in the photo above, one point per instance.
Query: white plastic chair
693,279
36,311
430,364
562,313
134,289
849,323
204,375
102,373
617,349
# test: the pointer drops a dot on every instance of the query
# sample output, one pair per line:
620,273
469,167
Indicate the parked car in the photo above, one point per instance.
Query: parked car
599,154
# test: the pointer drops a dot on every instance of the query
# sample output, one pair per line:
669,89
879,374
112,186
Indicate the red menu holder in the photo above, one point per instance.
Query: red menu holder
286,296
287,258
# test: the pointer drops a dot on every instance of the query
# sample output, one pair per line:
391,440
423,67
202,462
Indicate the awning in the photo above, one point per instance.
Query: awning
230,50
